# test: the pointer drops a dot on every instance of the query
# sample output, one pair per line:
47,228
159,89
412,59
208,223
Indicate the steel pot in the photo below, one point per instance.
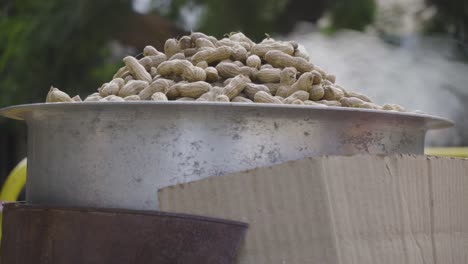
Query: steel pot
118,154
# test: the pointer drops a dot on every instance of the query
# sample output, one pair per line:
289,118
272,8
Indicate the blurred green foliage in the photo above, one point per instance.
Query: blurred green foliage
63,43
353,14
255,18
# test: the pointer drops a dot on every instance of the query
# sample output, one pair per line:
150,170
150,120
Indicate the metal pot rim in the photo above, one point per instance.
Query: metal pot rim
19,112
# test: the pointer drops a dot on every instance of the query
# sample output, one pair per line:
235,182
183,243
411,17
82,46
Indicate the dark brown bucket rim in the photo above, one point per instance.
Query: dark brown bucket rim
24,205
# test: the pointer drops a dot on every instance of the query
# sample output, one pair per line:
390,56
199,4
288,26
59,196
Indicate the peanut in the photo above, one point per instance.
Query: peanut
332,93
264,97
112,98
132,98
351,101
185,99
297,95
317,77
222,98
212,39
152,61
268,40
236,85
227,81
280,59
341,88
316,92
137,70
184,42
262,48
112,88
302,53
288,76
358,95
326,83
194,89
211,55
229,70
254,61
322,72
273,87
202,64
77,98
153,72
172,92
240,99
183,68
151,51
57,96
297,102
303,83
218,83
159,85
265,66
239,37
132,87
129,78
120,72
239,53
211,95
229,43
370,106
238,63
251,89
268,75
196,35
93,98
193,74
176,67
208,96
294,44
331,78
190,52
309,102
158,96
393,107
279,97
171,47
203,43
211,74
329,103
177,56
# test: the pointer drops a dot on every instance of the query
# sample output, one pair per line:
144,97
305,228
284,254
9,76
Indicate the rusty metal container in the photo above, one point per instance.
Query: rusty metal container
46,235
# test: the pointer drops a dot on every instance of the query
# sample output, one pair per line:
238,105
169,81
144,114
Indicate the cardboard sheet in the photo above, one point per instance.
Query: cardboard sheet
358,209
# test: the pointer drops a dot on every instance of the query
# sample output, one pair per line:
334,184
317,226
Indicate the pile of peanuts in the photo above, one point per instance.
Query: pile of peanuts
234,69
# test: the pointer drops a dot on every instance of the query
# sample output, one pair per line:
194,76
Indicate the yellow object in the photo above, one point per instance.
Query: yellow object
14,183
458,152
13,186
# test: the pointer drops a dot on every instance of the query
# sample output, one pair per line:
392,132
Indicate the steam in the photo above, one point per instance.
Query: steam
417,75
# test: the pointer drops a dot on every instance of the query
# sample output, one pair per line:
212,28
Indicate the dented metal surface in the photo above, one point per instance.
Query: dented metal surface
120,154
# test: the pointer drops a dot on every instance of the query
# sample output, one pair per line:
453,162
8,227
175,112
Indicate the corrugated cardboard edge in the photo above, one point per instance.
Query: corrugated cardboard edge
357,209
